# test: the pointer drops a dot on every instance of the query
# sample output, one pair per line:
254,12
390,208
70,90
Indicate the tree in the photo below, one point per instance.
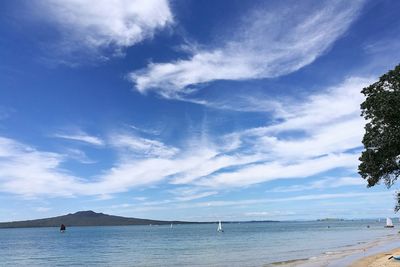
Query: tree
380,159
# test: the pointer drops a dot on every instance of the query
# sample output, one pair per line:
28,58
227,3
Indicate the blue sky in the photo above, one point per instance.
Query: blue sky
190,110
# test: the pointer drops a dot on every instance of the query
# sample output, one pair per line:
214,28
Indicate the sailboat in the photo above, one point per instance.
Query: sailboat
389,223
219,229
171,225
62,228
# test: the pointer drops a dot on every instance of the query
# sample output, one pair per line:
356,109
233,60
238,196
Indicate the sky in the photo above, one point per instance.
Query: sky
190,110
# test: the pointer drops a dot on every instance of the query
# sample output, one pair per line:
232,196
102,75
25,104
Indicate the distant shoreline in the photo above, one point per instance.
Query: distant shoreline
163,224
91,218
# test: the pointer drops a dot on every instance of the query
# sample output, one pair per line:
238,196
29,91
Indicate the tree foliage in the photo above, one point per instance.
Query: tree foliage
380,159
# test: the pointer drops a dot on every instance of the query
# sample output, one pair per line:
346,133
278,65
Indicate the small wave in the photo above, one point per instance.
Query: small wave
331,252
279,263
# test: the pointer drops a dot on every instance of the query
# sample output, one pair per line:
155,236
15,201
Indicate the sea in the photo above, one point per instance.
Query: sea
241,244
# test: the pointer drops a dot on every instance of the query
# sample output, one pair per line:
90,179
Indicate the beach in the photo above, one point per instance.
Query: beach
379,260
373,254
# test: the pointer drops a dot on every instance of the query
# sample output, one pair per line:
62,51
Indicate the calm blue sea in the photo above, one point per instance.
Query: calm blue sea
242,244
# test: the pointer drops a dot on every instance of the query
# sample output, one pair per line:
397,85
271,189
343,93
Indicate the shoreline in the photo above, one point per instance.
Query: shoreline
357,255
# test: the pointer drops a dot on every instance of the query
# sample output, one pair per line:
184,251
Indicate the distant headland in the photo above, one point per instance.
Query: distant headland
85,218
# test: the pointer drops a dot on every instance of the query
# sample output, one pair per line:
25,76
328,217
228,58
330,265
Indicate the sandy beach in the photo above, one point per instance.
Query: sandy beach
379,260
373,254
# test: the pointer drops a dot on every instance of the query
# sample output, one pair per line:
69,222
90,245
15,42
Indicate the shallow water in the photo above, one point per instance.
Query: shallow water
244,244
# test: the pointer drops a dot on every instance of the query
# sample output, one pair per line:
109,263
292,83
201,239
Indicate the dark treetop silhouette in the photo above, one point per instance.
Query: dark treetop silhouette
380,159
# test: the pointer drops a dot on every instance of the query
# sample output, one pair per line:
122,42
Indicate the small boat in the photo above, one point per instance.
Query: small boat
171,225
62,228
219,229
389,223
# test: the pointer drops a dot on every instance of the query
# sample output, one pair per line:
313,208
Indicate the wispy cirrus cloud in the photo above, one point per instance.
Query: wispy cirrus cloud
294,198
251,202
270,42
275,170
78,155
313,126
142,147
81,136
307,138
104,26
331,182
191,193
318,110
129,173
150,131
27,171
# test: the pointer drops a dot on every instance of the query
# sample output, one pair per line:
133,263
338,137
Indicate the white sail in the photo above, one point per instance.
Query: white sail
389,222
171,225
219,229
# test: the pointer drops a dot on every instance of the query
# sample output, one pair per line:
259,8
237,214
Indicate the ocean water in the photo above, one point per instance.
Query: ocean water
242,244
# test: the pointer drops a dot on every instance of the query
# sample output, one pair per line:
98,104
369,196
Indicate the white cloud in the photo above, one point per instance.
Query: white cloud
332,182
333,105
295,198
300,143
145,130
130,172
213,164
81,137
78,155
324,123
168,204
191,193
237,102
142,147
105,24
270,42
27,171
274,170
319,132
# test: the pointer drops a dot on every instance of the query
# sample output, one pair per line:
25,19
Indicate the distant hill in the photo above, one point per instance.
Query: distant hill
83,218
